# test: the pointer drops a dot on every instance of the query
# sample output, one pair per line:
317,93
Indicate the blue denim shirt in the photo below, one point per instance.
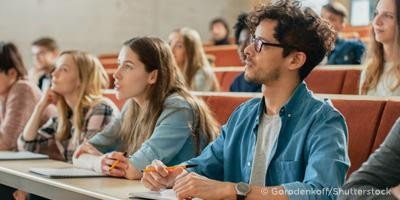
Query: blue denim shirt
310,152
346,52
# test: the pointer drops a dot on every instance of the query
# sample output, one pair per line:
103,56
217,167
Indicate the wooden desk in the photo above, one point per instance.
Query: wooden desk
16,174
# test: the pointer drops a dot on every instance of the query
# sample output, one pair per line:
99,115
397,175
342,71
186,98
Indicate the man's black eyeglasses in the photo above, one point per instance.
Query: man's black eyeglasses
258,44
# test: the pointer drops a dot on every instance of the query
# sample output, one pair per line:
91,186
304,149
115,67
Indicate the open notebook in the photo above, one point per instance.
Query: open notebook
66,172
21,155
162,195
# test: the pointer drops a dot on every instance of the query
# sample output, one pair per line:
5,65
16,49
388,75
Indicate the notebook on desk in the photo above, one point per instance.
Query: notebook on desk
21,155
162,195
66,172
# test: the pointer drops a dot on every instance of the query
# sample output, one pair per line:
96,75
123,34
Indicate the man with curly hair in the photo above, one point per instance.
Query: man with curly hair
288,144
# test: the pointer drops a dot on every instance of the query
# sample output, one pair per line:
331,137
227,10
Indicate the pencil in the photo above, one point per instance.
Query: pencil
116,162
152,169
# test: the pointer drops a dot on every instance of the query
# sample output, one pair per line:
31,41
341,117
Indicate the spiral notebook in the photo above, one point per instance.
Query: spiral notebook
66,172
21,155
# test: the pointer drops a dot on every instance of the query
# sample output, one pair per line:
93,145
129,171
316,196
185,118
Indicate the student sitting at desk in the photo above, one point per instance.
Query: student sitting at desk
18,97
77,85
191,59
160,120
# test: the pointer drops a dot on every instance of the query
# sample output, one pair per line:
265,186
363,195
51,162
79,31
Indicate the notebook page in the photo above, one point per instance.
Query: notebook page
21,155
67,172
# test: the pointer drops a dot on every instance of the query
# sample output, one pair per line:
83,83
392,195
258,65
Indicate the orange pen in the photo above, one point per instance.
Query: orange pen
152,169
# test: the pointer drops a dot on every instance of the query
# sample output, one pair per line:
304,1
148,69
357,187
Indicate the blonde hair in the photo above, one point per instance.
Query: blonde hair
138,123
196,58
93,79
375,63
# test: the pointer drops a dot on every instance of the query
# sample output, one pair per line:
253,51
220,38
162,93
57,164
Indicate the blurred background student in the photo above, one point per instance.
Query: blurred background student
381,77
189,54
219,29
45,52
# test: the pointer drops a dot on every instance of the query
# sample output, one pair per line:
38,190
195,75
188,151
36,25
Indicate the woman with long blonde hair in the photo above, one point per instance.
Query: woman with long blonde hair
77,85
160,119
382,74
189,54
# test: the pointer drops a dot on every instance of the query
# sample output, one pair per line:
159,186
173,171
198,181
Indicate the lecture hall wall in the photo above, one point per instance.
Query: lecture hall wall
100,26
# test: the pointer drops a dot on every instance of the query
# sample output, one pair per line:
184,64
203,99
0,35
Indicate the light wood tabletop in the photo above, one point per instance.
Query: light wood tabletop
16,174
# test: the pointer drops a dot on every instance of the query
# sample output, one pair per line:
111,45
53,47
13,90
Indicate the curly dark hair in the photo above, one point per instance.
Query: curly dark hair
297,27
241,24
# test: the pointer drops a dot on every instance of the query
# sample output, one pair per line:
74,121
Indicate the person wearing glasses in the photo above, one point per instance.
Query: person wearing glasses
287,144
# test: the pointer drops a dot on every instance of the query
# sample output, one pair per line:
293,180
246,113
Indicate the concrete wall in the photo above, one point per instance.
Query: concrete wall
100,26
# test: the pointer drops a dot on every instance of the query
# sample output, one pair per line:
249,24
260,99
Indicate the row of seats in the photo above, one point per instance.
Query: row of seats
324,79
356,32
369,119
224,55
220,56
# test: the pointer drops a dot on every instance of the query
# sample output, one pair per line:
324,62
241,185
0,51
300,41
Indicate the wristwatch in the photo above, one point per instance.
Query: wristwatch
242,189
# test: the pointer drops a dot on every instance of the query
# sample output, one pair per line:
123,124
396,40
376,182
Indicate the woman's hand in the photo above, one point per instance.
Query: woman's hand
49,97
118,165
86,148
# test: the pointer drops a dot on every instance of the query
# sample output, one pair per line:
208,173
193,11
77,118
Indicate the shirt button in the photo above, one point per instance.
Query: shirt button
248,164
289,115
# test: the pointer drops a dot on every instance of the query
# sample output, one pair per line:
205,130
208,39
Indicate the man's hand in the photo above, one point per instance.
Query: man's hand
194,185
396,192
161,177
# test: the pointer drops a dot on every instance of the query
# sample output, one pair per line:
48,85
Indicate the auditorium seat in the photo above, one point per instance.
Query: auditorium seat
109,63
351,81
363,119
326,80
225,55
111,94
110,74
389,116
108,56
226,75
223,111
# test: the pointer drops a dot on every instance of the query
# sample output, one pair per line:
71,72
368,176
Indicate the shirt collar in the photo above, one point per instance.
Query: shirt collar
291,107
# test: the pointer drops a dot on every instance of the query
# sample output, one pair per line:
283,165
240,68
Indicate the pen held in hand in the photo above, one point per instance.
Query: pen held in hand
116,162
152,169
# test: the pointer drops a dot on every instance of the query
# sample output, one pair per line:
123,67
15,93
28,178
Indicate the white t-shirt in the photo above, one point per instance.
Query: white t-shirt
385,83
